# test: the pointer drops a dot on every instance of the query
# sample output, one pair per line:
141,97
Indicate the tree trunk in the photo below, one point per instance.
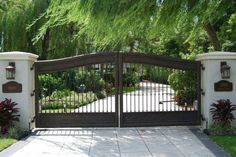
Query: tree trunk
131,45
45,45
212,36
30,46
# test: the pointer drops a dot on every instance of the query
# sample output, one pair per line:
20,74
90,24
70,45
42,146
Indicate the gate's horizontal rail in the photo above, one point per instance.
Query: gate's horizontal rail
71,62
76,120
160,118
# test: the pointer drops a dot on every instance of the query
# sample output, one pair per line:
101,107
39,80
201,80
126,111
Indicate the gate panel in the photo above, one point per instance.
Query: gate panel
85,91
77,92
157,90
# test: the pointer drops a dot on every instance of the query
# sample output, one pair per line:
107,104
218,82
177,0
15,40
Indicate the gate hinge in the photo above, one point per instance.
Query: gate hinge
32,67
33,92
202,118
202,92
33,119
202,67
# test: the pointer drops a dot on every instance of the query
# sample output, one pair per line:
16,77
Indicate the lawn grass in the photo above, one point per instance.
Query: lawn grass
6,142
228,143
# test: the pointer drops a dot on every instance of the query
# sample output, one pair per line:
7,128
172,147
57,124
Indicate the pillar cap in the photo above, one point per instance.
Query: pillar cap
217,55
16,55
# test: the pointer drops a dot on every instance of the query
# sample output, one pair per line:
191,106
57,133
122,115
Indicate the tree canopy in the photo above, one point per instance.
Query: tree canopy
62,28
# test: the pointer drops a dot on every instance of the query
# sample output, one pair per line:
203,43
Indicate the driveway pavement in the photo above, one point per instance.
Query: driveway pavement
116,142
150,98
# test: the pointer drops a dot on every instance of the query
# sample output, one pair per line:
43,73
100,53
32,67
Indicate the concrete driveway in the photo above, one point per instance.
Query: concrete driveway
150,98
116,142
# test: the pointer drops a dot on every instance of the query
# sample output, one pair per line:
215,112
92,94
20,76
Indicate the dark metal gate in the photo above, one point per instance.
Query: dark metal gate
168,91
117,89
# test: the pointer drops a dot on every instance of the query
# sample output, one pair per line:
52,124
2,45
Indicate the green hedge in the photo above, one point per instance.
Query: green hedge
158,75
67,99
184,85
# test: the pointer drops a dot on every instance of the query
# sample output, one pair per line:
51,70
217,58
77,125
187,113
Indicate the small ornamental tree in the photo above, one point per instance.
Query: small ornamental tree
222,112
8,114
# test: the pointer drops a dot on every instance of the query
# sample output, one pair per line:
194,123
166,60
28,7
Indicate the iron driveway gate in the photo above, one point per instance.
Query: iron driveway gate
65,87
168,92
117,89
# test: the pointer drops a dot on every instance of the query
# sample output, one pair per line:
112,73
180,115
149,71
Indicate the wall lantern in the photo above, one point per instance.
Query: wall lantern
225,70
10,71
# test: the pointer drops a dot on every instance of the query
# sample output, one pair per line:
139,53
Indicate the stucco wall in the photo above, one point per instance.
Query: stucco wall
25,76
212,63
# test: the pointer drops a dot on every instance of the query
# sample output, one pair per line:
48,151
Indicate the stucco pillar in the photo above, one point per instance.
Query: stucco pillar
211,74
24,75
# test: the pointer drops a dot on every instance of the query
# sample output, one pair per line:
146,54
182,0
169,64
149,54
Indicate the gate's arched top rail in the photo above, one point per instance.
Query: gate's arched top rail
113,57
159,60
72,62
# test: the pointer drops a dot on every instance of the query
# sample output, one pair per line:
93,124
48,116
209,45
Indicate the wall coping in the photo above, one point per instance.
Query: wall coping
217,55
16,55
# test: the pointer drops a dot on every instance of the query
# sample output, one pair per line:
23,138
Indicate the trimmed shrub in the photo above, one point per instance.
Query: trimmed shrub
92,81
131,78
184,85
49,84
67,99
216,129
109,77
8,114
159,75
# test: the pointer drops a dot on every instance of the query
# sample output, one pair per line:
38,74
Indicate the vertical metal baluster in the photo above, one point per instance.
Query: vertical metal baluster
129,94
79,92
75,92
40,99
171,93
94,89
146,87
43,97
101,106
103,103
106,98
125,100
111,80
163,90
144,90
90,92
133,91
167,90
82,92
149,94
45,100
49,98
68,86
139,96
88,69
155,92
174,94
